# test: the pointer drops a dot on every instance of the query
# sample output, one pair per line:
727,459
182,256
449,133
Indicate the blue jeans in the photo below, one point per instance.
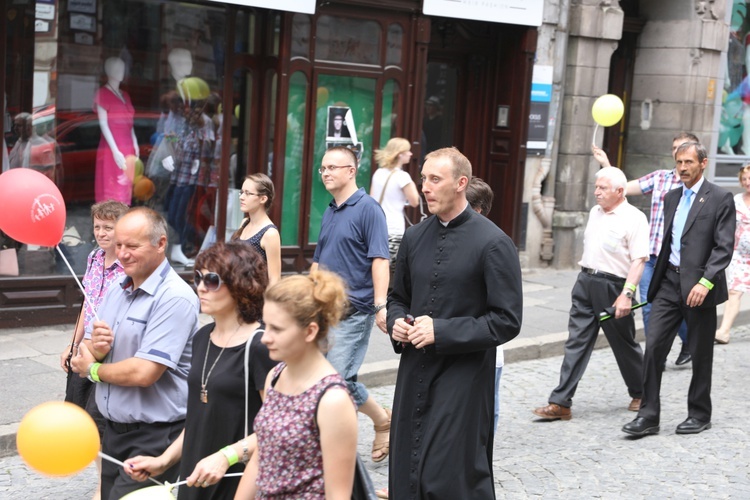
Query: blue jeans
348,346
498,373
648,273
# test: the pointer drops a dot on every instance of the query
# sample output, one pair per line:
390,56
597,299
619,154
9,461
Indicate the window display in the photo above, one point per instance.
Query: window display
733,148
128,114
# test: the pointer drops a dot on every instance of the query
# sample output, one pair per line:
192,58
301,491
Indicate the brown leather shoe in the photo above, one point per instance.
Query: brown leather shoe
634,405
553,412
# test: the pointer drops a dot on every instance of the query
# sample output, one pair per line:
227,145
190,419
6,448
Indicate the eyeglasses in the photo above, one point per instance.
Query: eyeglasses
248,193
323,168
211,281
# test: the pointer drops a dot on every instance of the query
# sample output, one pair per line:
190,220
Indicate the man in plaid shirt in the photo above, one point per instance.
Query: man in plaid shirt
659,183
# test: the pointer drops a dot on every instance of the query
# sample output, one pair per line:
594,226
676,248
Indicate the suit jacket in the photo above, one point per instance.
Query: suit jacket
706,245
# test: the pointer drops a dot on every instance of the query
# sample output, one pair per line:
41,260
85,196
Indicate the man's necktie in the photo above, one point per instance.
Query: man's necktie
681,216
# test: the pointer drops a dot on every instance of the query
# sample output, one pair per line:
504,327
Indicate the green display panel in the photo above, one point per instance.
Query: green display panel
293,159
339,95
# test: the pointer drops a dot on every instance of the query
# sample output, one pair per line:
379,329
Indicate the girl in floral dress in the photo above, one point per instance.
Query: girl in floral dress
738,272
307,427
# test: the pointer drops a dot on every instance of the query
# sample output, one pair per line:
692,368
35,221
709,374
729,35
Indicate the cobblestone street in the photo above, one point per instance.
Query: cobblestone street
586,457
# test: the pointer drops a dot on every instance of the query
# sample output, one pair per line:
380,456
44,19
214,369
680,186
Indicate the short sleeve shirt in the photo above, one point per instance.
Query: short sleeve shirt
156,322
351,235
96,282
613,240
659,182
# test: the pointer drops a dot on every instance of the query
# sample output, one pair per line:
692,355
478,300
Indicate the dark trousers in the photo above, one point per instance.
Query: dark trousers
667,311
123,441
590,296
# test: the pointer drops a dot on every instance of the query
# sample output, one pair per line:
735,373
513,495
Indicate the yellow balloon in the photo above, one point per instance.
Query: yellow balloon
150,493
57,438
607,110
193,88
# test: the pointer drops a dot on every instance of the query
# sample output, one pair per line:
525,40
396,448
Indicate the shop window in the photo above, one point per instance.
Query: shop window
346,40
394,45
245,32
147,70
389,114
352,99
733,149
293,158
271,82
301,37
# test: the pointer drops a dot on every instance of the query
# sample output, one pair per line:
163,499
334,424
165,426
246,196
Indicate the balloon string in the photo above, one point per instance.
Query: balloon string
86,297
593,139
180,483
122,464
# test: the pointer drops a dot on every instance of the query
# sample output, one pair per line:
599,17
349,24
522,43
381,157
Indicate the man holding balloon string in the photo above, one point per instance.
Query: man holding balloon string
139,351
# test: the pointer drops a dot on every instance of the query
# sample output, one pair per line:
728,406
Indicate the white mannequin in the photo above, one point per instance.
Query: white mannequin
114,67
181,64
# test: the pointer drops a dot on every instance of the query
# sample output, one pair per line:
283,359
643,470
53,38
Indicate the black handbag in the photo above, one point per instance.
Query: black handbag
363,488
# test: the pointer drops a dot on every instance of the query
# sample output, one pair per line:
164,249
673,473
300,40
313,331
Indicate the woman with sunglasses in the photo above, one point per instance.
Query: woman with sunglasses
307,428
257,229
230,279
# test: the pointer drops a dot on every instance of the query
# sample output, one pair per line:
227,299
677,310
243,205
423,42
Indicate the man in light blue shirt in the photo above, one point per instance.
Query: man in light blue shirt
139,352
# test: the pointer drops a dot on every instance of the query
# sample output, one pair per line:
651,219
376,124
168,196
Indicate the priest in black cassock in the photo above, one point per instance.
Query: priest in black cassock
458,275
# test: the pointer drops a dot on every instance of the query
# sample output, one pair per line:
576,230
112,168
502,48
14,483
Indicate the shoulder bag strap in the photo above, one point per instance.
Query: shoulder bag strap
247,369
382,193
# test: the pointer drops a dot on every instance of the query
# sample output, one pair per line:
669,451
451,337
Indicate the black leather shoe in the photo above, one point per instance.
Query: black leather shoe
692,426
641,427
683,358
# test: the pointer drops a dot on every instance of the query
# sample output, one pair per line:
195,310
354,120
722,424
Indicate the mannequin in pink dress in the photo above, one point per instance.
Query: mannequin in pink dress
113,180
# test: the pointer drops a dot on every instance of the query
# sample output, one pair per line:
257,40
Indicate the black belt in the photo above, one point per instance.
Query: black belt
121,428
602,274
672,267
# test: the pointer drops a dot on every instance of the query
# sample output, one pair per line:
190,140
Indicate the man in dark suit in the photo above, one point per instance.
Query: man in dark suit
688,283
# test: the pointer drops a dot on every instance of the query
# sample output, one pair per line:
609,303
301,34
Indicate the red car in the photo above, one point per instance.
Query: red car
78,139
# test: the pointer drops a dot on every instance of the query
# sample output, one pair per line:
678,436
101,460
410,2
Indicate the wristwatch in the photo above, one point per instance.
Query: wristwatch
628,293
378,307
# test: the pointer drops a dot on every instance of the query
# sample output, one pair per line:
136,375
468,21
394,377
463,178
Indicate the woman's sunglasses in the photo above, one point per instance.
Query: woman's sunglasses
211,281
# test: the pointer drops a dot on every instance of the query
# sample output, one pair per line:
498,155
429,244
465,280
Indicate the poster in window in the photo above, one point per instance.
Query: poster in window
340,125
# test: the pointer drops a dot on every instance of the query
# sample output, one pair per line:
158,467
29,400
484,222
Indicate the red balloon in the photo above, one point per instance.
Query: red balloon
32,208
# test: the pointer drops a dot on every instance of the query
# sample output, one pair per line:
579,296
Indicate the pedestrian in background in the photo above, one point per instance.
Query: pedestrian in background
394,189
258,230
615,250
738,272
480,196
456,296
307,427
353,243
658,183
102,270
228,353
152,316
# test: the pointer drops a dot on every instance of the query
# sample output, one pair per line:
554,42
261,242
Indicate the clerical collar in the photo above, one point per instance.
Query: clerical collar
445,224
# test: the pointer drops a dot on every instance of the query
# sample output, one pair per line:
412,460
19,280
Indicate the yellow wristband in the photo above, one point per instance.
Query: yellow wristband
706,283
630,287
231,455
94,372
